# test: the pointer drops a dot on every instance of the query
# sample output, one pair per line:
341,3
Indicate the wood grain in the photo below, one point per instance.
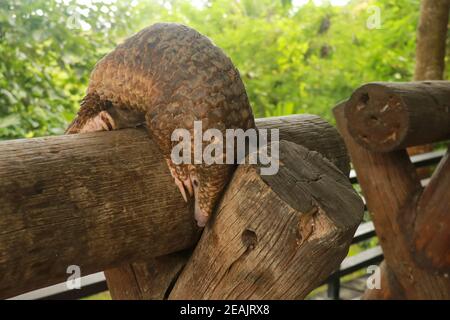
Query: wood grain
313,133
150,280
404,215
285,233
96,200
308,130
385,116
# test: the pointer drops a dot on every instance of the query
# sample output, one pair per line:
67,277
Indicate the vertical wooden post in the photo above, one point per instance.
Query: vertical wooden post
397,203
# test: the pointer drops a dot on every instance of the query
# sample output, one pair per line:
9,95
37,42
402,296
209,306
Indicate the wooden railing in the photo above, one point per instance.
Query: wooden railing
96,283
378,123
106,201
65,201
366,231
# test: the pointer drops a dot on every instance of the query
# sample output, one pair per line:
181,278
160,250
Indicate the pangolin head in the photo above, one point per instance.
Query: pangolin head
209,182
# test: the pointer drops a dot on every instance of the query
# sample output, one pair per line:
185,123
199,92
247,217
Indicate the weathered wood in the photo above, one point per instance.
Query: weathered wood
274,237
313,133
96,200
392,116
146,280
308,130
390,288
432,225
393,192
89,200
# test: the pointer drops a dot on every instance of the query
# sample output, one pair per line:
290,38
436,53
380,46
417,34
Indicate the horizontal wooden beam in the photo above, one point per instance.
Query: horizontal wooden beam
99,200
92,200
313,133
384,117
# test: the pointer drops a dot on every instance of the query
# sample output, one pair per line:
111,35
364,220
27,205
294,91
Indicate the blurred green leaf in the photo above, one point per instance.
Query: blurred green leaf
288,61
11,120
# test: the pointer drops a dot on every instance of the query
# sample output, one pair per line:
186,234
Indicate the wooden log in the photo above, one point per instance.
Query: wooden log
313,133
390,288
125,282
275,237
95,200
432,225
384,117
393,192
89,200
150,280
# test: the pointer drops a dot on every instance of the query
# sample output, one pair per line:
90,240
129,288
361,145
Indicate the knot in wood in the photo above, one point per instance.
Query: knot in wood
249,239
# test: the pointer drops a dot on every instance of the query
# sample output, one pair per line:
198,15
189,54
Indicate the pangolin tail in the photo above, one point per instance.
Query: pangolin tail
91,116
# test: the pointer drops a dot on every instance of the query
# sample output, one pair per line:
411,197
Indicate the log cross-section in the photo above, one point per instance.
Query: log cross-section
275,236
385,117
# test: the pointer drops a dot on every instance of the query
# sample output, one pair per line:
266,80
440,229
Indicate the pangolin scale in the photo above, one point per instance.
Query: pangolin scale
167,76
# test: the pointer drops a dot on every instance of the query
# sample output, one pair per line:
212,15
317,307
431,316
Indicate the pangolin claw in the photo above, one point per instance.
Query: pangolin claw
180,186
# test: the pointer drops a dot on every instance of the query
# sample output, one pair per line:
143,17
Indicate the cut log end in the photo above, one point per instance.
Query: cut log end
384,117
274,237
378,117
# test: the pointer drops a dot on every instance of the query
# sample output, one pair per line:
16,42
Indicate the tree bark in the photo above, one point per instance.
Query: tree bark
431,40
275,237
430,53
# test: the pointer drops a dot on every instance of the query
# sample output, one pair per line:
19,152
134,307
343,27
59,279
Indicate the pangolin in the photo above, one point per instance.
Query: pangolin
166,77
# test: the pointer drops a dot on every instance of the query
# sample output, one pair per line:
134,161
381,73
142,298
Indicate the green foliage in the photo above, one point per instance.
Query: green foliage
46,61
99,296
292,60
